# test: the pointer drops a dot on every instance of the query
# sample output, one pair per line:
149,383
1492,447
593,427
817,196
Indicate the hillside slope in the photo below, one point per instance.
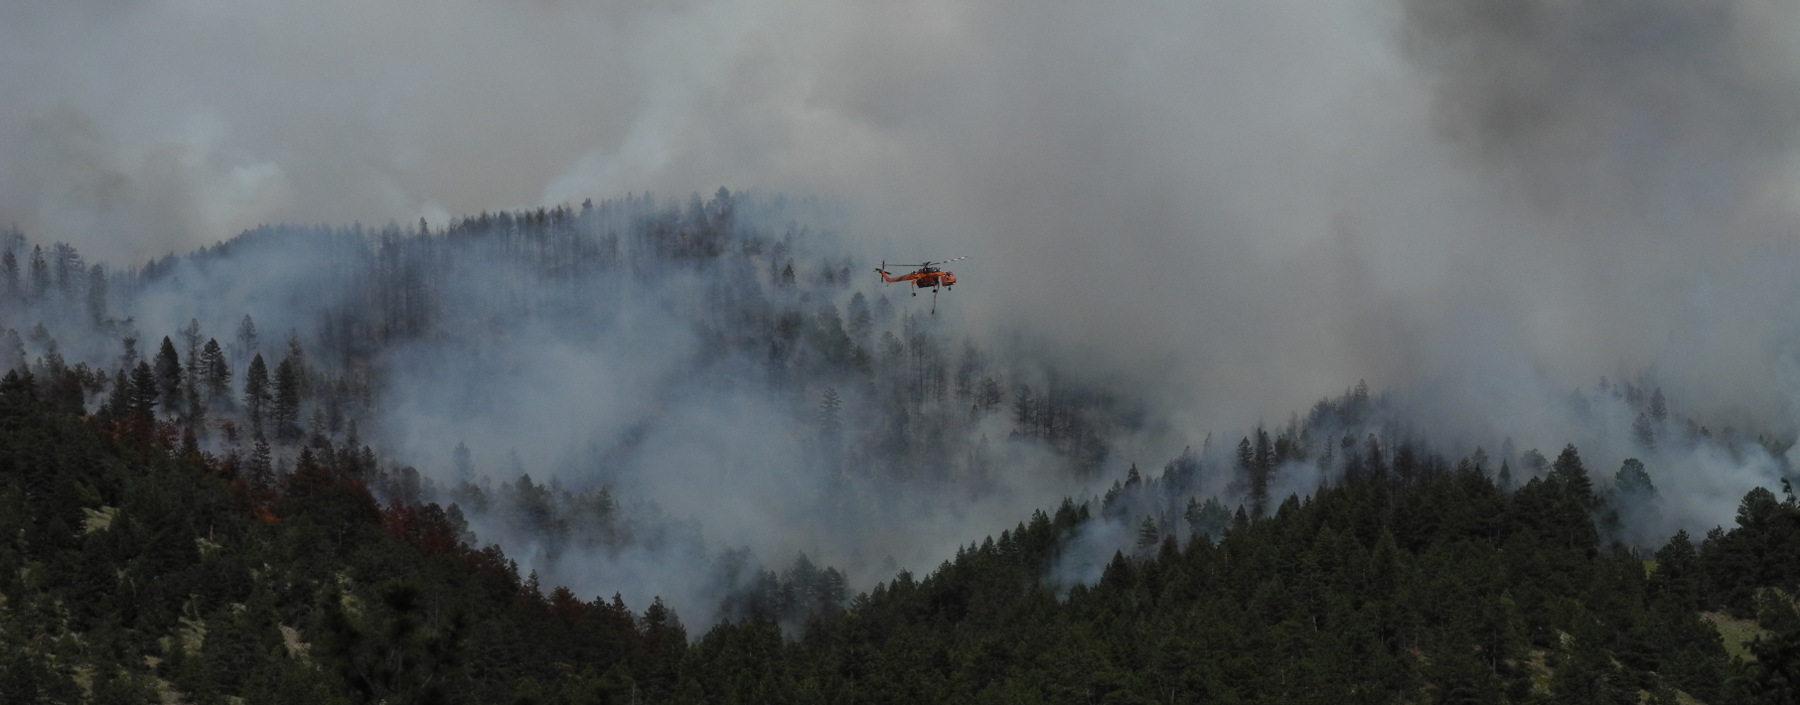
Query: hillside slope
139,568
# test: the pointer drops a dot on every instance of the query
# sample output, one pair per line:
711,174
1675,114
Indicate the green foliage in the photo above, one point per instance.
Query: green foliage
1414,583
1773,677
308,594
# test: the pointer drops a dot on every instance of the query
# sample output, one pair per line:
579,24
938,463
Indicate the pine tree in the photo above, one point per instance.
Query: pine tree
68,267
1148,535
1262,467
1587,674
1632,480
39,274
9,272
128,357
13,384
1255,482
144,394
317,435
1568,470
192,342
216,372
884,309
1644,432
285,413
246,338
1677,577
1773,677
96,295
1210,518
118,404
168,377
262,471
256,390
12,351
861,322
302,373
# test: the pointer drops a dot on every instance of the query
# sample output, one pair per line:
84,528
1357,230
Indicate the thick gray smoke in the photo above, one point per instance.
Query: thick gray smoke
1641,155
1225,209
1667,107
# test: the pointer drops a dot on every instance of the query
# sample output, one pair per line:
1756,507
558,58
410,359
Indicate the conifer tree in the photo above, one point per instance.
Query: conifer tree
246,338
9,272
1677,577
285,412
884,309
192,342
14,384
118,404
1262,466
128,357
1644,432
1773,677
317,436
39,274
262,470
12,351
144,394
196,408
68,267
96,295
861,321
302,373
1633,481
216,372
1148,535
168,377
256,390
1255,482
1569,471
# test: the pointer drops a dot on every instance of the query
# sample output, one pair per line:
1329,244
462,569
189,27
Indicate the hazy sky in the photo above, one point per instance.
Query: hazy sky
1237,205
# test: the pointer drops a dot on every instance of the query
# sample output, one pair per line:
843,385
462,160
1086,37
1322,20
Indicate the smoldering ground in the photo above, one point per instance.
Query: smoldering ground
1226,210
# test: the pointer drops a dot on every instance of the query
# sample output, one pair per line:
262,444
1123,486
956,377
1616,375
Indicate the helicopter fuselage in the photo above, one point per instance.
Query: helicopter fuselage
923,279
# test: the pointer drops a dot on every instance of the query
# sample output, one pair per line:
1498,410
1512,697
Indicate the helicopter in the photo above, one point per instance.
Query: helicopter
927,276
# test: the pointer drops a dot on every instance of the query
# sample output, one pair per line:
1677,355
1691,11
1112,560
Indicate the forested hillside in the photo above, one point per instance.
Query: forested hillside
141,569
567,375
492,462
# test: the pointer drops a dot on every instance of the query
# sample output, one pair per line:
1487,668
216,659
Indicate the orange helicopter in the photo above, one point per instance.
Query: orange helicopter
927,276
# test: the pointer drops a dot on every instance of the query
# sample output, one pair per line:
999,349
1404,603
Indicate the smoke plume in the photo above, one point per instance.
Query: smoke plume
1221,211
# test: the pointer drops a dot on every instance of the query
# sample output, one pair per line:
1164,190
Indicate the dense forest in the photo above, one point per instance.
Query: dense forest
555,372
142,568
319,464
